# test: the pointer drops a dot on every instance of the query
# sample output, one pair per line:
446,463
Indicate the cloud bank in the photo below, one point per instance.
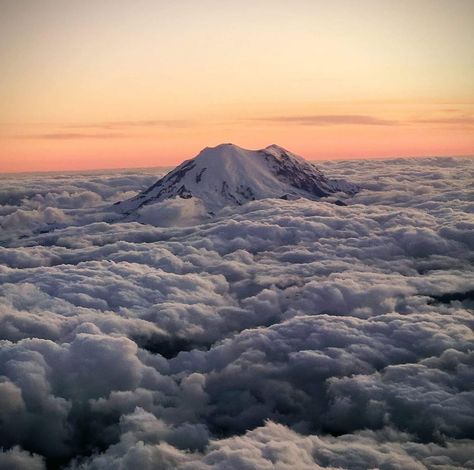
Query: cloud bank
281,334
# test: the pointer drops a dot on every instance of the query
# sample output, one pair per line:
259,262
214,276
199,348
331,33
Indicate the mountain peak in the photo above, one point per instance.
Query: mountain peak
231,175
275,147
222,150
219,147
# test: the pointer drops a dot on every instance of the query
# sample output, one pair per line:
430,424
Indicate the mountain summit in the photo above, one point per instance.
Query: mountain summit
230,175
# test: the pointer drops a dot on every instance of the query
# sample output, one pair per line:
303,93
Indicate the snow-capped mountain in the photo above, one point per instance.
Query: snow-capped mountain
230,175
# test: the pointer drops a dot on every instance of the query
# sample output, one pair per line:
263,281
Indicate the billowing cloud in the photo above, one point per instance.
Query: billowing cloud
18,459
279,334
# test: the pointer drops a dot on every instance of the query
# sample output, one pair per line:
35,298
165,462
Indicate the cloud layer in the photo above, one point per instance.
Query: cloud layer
282,334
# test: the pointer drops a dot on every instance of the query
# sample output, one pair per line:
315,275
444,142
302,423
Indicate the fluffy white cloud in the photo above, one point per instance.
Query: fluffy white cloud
18,459
274,446
274,335
43,202
176,212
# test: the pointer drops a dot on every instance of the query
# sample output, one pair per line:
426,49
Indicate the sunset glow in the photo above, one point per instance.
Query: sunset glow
147,83
236,234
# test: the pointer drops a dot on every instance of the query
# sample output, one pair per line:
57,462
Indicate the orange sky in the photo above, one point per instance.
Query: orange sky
133,83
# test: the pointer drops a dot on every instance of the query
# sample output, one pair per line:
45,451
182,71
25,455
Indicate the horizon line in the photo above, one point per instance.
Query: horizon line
322,160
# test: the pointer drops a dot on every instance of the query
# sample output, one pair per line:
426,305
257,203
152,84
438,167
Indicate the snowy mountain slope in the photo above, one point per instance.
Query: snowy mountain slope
230,175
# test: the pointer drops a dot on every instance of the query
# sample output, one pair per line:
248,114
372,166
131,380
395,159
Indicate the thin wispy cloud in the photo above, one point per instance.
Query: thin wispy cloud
330,120
365,120
172,123
73,136
101,130
457,121
129,128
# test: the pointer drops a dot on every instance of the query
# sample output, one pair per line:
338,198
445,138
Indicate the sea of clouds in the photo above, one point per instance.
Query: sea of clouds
277,335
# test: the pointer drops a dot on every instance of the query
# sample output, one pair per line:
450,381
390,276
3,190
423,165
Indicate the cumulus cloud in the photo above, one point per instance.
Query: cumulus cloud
18,459
279,334
43,202
176,212
276,446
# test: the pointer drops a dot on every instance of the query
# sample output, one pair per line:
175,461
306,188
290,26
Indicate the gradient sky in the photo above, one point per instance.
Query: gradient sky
131,83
